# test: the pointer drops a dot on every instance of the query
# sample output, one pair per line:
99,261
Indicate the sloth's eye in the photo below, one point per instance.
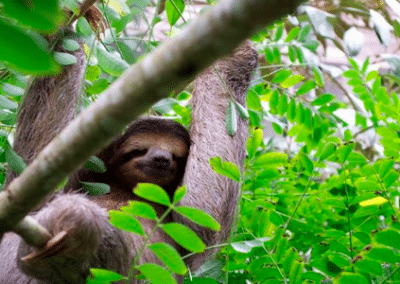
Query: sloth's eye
126,157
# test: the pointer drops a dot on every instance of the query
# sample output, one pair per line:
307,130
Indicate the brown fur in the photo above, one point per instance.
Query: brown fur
91,241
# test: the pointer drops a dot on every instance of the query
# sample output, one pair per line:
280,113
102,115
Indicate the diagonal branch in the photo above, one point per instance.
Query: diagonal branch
212,35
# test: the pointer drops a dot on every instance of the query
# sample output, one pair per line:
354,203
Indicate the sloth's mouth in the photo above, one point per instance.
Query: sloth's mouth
157,171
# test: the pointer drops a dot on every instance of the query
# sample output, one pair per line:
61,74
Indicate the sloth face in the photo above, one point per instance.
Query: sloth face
158,158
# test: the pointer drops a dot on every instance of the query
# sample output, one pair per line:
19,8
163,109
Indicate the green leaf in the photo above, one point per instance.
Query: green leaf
254,142
321,21
65,58
367,186
140,209
306,87
244,114
281,76
277,55
304,33
153,193
282,105
292,53
353,41
277,128
110,63
291,113
296,272
126,222
98,86
369,266
70,44
291,81
103,276
344,151
95,164
372,75
328,151
347,135
318,76
274,100
26,52
351,278
38,14
389,237
156,274
95,188
198,217
323,99
354,64
306,163
231,119
271,159
174,10
382,254
227,169
381,27
12,90
7,104
365,65
15,162
385,167
279,32
169,256
165,105
292,34
253,101
184,236
179,194
92,73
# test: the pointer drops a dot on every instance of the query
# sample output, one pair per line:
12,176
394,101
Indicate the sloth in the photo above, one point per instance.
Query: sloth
151,150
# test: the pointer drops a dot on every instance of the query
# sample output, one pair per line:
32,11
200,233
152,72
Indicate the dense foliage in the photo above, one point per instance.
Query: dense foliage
320,199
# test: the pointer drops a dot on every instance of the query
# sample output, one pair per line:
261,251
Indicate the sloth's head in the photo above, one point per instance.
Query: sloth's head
153,150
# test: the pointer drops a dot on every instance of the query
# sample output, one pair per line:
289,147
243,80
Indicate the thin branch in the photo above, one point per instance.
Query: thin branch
176,62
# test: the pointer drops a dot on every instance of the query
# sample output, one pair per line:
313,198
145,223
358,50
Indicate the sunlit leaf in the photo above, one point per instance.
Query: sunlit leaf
179,194
271,159
126,222
169,256
227,169
156,274
184,236
140,209
174,9
103,276
153,193
379,200
198,217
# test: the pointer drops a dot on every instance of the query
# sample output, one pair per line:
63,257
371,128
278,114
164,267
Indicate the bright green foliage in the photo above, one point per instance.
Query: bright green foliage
102,276
170,257
174,9
153,193
156,274
184,236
